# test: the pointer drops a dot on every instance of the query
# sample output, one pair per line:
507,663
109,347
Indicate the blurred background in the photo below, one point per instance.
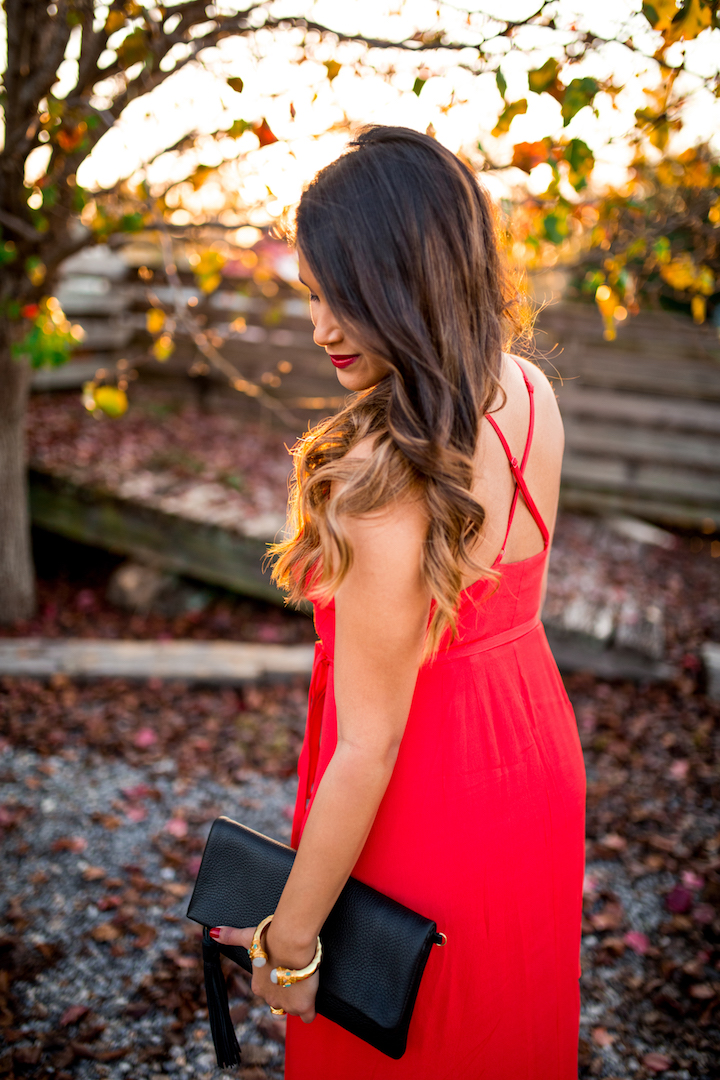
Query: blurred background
156,363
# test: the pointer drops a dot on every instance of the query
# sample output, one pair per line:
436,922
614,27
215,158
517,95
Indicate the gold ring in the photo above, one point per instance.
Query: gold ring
277,1012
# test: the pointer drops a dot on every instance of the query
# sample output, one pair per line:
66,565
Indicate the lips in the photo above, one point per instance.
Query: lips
344,361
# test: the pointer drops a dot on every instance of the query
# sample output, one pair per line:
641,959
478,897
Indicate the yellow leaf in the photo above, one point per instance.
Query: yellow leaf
236,84
37,273
210,282
606,300
111,400
698,306
705,281
163,348
115,20
515,108
660,13
696,17
333,69
154,320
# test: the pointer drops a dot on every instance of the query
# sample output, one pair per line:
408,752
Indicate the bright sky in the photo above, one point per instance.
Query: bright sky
198,98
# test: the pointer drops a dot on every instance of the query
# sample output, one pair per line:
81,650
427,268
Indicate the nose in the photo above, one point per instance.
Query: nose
327,329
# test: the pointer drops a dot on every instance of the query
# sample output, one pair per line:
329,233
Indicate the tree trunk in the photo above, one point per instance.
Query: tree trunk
17,575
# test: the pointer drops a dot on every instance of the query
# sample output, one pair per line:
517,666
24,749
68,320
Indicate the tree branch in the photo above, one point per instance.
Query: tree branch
20,227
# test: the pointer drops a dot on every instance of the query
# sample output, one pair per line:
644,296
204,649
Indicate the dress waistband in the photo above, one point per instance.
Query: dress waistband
485,644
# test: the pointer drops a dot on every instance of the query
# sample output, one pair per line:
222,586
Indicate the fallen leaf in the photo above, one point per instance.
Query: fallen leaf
28,1055
679,900
614,842
177,827
602,1037
702,991
144,738
105,932
136,813
637,941
656,1062
94,873
703,914
610,918
76,844
679,769
139,791
73,1014
176,888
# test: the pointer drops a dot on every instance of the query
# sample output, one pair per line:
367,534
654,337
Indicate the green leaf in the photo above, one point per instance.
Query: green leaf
578,94
513,109
556,228
545,77
236,84
581,160
501,82
131,222
238,128
8,253
418,85
132,49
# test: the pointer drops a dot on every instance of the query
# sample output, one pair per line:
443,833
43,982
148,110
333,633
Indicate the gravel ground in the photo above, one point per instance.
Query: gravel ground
93,886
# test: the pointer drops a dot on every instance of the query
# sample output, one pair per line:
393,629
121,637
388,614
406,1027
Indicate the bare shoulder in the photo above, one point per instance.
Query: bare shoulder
548,411
387,542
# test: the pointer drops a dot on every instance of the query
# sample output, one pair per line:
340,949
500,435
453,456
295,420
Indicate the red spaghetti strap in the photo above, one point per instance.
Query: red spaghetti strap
519,469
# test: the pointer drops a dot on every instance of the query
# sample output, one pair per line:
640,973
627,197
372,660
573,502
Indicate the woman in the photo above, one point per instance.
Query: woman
441,763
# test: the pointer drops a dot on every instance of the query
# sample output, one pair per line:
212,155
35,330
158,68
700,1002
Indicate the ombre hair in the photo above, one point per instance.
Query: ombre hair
402,240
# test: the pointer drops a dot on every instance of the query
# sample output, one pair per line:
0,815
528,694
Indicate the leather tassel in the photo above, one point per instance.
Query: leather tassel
227,1049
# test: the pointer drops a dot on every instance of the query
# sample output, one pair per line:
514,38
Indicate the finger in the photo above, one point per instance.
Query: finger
230,935
308,1017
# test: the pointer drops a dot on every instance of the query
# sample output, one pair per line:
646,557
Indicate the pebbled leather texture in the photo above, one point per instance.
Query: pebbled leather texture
374,949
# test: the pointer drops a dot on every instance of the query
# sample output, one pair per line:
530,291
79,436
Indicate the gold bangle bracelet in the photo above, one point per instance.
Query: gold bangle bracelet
287,976
256,952
279,975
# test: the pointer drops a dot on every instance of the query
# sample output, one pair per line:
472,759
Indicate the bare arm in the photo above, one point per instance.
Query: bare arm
382,610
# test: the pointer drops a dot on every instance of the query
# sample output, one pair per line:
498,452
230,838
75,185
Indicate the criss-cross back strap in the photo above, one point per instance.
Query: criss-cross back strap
519,469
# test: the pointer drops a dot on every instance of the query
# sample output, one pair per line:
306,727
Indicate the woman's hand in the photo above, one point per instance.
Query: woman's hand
298,999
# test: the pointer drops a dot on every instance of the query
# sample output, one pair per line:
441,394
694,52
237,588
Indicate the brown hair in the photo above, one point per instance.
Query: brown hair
402,239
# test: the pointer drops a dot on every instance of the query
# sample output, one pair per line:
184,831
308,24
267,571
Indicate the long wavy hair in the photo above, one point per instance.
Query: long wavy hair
402,239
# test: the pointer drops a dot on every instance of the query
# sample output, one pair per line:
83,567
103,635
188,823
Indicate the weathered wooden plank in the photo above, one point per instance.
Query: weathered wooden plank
651,333
76,303
168,541
572,653
601,474
106,333
193,661
673,513
711,660
69,376
684,380
642,409
235,663
634,443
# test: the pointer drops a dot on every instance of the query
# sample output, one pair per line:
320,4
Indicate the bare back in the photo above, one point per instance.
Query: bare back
494,484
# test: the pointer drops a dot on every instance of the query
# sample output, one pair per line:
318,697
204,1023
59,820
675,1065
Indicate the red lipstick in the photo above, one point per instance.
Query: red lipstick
344,361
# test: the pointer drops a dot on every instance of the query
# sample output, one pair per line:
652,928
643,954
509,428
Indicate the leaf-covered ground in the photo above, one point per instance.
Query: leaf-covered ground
108,790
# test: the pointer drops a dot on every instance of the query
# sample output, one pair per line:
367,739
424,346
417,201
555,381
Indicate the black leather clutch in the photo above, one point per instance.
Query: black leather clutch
374,949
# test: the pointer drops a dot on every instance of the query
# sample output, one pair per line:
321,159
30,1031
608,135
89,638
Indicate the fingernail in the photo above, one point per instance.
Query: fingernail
215,933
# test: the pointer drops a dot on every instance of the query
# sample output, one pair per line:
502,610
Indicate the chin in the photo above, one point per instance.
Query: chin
359,379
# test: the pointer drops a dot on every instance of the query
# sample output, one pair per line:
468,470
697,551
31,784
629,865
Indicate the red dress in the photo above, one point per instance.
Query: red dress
482,829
